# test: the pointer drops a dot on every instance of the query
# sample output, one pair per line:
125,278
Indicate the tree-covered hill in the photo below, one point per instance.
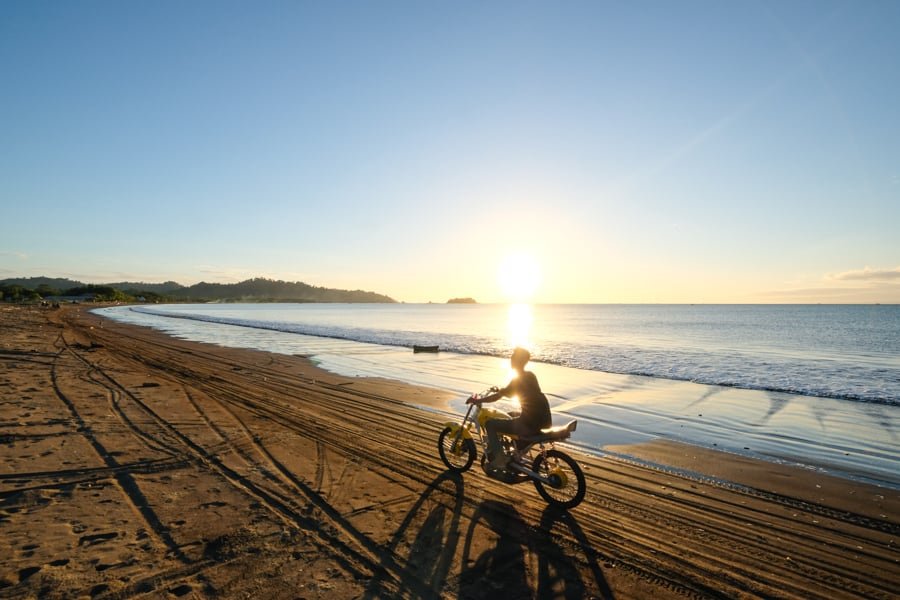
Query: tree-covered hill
252,290
34,283
169,287
269,290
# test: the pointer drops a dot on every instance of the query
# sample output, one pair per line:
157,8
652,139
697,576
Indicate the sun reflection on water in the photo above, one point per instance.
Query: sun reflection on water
518,323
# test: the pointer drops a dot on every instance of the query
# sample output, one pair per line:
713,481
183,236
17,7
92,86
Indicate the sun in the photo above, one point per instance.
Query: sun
519,276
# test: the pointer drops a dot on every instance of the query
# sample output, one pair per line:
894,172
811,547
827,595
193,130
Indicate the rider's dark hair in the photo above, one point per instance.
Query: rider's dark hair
521,354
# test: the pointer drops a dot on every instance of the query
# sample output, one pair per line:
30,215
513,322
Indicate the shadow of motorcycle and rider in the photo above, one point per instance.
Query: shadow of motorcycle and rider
498,549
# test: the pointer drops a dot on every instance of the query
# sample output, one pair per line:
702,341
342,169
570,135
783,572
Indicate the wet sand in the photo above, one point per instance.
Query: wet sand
134,464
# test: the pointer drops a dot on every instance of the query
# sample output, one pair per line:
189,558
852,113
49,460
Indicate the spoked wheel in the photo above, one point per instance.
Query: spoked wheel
567,486
457,454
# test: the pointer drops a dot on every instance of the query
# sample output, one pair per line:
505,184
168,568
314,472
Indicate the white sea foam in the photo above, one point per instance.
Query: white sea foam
845,352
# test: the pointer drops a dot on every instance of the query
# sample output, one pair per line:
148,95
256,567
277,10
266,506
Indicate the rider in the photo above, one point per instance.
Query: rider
535,413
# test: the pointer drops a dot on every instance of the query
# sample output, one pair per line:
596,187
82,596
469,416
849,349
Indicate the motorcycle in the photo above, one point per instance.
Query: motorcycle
556,475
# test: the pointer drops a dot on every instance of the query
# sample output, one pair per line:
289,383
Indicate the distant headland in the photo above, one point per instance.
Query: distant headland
36,289
461,301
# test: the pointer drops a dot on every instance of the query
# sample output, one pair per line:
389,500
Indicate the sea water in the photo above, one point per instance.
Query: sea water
817,385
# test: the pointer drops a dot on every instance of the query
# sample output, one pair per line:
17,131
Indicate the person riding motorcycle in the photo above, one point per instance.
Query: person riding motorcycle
535,413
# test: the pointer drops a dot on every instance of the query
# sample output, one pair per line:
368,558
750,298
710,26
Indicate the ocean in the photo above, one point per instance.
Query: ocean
815,385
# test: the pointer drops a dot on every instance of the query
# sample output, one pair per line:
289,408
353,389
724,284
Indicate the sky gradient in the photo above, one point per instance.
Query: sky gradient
636,151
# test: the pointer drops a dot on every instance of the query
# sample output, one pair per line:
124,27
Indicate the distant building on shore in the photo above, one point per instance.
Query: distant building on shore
71,299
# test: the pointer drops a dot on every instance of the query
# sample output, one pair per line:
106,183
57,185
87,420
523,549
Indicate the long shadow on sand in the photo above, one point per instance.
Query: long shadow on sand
429,536
502,556
502,569
554,565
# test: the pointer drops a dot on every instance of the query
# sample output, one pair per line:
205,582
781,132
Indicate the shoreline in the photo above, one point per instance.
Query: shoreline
189,468
841,438
763,363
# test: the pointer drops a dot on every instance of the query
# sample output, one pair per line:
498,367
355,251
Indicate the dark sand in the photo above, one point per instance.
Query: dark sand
133,464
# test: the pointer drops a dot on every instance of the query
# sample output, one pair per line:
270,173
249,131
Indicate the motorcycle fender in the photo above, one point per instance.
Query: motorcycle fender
454,427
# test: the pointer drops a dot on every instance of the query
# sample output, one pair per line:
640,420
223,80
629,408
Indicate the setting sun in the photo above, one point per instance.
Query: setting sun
519,276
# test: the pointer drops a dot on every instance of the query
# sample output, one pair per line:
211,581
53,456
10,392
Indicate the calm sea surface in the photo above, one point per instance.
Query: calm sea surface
850,353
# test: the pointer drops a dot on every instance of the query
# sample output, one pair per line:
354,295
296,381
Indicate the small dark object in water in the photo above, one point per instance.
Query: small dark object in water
418,349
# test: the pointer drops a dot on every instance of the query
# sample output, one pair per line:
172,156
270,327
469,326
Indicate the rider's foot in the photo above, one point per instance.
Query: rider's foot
498,462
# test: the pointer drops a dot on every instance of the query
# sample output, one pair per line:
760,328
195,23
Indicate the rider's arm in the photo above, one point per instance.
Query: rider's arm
490,397
501,393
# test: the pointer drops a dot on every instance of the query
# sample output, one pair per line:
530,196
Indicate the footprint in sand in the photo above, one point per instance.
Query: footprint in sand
97,538
27,572
181,590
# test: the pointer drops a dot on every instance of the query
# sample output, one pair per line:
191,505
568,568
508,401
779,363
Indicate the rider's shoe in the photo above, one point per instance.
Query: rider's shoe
498,462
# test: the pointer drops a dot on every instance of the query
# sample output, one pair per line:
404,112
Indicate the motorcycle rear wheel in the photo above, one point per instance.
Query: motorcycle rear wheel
568,488
461,457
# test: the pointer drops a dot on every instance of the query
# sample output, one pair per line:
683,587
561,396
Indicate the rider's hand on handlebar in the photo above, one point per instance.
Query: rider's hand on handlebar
472,399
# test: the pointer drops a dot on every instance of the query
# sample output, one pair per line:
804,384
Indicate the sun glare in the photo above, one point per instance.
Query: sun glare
519,276
519,324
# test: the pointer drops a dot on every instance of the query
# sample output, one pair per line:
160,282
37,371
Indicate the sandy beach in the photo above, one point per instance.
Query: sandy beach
134,464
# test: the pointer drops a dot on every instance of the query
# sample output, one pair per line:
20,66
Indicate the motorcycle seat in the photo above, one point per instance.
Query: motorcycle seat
551,433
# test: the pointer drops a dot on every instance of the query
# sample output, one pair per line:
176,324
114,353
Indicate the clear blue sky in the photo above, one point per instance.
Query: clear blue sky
635,151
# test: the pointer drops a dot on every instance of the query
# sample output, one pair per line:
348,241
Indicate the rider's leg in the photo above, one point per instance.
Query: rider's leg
495,428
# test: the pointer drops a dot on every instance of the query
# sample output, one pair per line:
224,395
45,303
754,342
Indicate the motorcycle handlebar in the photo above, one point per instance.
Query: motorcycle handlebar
476,398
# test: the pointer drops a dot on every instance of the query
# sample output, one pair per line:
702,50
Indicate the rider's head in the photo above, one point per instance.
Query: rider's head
519,358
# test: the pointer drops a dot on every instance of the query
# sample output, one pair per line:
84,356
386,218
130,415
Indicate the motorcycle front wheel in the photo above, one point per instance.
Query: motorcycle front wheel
567,486
457,454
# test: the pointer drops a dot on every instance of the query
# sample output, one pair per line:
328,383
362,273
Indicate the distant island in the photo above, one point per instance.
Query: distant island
36,289
461,301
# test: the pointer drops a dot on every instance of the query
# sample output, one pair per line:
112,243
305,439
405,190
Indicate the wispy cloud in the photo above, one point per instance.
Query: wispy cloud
859,285
886,293
867,274
14,254
224,274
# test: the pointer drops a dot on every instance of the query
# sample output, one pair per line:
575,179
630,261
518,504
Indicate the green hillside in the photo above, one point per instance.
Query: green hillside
252,290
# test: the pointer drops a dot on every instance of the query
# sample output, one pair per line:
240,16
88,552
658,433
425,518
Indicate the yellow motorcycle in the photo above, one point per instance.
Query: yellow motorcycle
556,475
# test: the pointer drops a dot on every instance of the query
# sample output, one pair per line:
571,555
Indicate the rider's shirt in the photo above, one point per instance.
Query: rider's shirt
535,408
